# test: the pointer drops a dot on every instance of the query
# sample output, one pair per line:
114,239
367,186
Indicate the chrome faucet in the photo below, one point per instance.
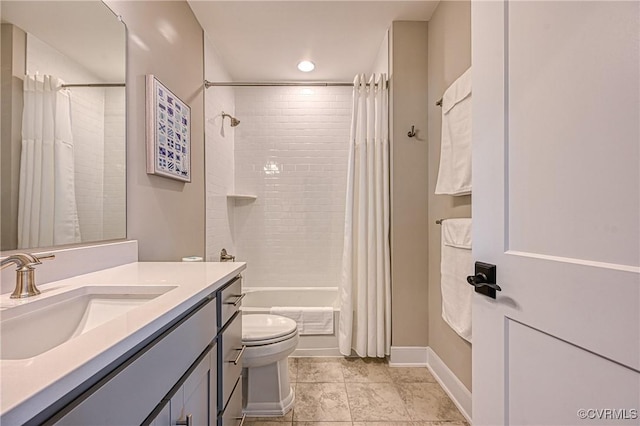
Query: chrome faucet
225,257
25,273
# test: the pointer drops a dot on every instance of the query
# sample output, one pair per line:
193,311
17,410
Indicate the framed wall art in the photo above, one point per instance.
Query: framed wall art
168,132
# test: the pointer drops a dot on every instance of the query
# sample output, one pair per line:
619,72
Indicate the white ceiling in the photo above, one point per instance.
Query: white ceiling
264,40
85,31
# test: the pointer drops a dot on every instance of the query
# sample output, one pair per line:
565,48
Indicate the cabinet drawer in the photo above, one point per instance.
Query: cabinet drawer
232,414
231,347
229,301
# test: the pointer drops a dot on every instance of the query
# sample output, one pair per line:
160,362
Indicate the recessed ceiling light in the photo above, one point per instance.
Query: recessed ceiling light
306,66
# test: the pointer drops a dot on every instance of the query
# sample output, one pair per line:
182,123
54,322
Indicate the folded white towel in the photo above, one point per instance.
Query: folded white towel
317,320
454,174
289,312
456,264
310,320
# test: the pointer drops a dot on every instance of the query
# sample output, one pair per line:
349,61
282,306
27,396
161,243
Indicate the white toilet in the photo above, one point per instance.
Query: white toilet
269,340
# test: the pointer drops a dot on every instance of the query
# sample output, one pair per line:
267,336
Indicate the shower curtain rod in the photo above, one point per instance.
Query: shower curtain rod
95,85
208,84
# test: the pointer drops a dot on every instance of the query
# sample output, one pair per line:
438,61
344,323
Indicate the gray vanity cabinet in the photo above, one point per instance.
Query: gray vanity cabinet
230,352
180,362
193,400
188,373
163,417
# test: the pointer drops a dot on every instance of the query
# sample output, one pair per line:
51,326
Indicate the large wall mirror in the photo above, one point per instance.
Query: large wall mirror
63,124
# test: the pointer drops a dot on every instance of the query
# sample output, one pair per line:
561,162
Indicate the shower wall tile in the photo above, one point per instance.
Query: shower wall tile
291,151
219,157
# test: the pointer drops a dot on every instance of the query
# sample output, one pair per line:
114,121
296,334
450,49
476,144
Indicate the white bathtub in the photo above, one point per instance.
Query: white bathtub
259,300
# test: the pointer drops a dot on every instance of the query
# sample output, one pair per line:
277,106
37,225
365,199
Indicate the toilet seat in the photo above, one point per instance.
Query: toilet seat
251,343
265,329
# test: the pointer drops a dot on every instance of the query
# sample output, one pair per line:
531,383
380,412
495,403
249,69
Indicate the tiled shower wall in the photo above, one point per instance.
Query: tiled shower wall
291,151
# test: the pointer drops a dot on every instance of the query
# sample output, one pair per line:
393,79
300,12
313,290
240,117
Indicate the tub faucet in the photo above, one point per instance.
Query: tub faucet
225,257
25,273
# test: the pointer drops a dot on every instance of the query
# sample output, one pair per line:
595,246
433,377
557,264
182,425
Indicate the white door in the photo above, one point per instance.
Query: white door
556,207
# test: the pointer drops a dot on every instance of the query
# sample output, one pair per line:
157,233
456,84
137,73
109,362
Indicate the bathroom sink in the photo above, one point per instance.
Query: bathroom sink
31,327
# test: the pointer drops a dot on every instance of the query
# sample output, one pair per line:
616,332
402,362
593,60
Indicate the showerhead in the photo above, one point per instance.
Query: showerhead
234,121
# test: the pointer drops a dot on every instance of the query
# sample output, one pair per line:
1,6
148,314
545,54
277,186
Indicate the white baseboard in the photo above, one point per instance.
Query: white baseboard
457,391
408,356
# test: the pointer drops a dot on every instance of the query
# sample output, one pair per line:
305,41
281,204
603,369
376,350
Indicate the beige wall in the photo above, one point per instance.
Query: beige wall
13,69
409,177
449,40
166,216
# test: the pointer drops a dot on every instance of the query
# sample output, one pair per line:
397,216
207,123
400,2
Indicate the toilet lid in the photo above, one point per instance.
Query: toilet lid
261,327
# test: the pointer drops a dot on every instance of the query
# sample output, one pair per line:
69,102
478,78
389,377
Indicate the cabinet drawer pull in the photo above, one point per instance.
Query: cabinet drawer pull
244,416
187,422
239,298
237,360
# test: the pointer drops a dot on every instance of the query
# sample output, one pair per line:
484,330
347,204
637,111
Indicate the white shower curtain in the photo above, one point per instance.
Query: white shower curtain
365,288
47,213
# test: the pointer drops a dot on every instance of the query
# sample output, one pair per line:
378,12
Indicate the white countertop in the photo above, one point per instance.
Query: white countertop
28,386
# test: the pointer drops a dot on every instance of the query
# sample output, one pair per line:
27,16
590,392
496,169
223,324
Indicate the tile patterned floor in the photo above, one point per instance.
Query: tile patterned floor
363,392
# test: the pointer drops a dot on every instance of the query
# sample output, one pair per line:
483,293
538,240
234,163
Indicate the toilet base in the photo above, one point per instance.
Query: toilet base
267,391
270,409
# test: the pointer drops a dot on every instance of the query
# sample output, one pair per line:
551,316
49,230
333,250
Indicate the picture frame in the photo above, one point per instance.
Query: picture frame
168,135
